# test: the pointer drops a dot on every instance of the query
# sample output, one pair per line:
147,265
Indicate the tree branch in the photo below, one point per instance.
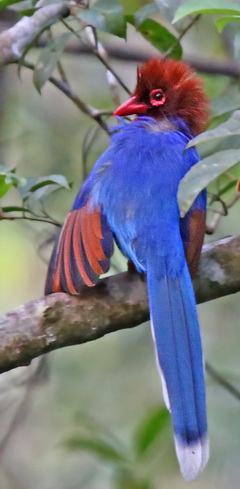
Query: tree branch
87,109
128,54
116,303
27,218
181,35
222,381
14,40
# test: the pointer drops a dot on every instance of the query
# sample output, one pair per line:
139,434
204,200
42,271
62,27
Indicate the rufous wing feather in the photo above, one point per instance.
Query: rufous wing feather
82,252
197,227
193,227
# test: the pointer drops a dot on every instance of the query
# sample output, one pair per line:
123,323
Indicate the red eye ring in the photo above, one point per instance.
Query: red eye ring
157,97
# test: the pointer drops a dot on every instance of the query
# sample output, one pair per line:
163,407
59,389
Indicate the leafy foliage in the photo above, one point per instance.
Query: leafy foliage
106,16
226,103
6,3
8,179
220,7
211,167
150,429
204,173
112,17
32,191
221,22
124,462
160,37
229,128
48,59
97,447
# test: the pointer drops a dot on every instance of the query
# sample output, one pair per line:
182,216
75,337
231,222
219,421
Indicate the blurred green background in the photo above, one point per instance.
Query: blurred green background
87,421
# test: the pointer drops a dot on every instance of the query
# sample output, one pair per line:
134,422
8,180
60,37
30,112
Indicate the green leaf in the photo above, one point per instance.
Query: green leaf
15,209
202,174
150,429
107,16
229,128
8,178
131,7
59,180
48,59
220,7
51,183
6,3
222,21
96,447
226,103
27,12
4,187
230,185
145,12
160,37
15,180
5,169
125,479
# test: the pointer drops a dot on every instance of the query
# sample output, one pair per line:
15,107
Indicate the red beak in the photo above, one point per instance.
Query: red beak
131,107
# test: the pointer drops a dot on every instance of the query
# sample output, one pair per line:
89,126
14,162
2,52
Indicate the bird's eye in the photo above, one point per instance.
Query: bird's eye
157,97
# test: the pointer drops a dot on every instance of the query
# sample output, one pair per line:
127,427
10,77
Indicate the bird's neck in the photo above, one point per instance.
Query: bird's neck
167,124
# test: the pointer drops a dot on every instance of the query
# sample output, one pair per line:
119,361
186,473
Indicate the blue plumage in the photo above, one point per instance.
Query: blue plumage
140,202
136,181
176,334
134,184
131,195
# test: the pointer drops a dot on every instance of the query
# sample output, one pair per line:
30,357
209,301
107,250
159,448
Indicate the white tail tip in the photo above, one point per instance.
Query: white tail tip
192,458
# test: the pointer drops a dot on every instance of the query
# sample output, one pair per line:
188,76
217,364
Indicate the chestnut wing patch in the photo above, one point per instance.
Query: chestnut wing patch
193,230
82,252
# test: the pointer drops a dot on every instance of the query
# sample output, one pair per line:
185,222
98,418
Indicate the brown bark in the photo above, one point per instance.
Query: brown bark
116,303
14,40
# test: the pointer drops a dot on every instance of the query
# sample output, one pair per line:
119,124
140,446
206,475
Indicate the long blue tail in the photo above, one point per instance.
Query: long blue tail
176,335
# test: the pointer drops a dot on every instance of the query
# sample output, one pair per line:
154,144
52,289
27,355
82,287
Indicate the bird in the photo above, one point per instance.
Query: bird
130,197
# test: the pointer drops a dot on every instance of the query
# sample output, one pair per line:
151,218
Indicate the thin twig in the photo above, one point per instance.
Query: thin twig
88,141
60,68
85,108
219,213
112,80
216,198
62,72
222,381
211,228
129,54
13,41
233,200
181,35
99,56
188,27
22,408
26,218
109,68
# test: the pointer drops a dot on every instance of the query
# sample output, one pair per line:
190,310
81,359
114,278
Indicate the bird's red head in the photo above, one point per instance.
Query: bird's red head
167,88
